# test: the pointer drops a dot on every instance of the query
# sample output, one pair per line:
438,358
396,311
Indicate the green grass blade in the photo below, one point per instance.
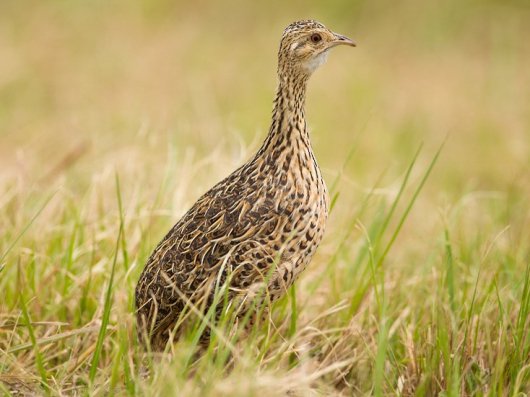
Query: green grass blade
25,229
38,357
410,204
108,299
450,276
382,348
384,226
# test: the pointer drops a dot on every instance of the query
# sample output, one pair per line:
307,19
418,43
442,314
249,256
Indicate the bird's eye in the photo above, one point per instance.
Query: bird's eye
315,38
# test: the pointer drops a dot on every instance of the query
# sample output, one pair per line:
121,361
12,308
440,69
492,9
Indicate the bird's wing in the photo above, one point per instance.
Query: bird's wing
233,227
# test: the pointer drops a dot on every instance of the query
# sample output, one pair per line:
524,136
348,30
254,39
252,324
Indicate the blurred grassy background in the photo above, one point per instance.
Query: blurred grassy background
182,91
84,87
103,72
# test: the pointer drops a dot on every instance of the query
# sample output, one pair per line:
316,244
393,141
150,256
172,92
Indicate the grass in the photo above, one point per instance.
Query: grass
111,127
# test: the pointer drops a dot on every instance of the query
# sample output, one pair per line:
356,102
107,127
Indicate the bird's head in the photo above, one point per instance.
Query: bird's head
305,45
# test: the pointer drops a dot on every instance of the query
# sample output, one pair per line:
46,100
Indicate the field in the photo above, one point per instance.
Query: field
116,116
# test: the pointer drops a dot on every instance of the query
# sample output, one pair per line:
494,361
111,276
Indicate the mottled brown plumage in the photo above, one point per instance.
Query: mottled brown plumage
259,226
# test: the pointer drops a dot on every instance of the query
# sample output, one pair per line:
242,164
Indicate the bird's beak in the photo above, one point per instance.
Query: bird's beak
340,39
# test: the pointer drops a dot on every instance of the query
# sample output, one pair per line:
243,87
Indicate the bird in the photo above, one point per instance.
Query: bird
257,229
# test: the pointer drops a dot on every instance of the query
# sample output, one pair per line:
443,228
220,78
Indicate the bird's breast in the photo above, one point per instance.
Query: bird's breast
301,193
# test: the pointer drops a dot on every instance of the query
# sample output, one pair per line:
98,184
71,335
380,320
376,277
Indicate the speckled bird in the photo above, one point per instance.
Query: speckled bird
258,228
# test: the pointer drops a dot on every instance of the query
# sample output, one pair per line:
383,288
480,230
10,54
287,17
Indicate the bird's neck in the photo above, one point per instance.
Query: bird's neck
288,128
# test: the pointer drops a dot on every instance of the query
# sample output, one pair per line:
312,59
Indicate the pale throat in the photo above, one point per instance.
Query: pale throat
315,62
